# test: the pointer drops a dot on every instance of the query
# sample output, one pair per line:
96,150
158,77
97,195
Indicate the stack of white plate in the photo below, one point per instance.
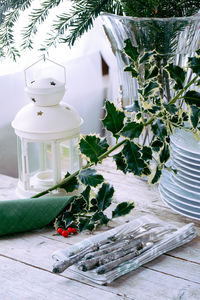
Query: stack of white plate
181,191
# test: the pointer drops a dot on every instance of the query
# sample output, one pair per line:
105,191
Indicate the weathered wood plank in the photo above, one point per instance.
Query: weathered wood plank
172,276
23,282
168,271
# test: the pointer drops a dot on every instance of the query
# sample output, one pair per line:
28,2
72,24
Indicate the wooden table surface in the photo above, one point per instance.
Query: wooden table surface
26,259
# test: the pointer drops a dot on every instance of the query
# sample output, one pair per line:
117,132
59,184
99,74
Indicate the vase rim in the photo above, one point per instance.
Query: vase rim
194,17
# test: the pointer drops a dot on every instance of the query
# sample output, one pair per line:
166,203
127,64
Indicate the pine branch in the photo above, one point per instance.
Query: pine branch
38,16
6,29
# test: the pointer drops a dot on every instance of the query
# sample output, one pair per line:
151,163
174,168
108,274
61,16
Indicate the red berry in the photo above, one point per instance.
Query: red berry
73,230
69,230
59,230
65,233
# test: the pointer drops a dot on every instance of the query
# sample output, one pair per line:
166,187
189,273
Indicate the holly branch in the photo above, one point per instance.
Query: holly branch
127,125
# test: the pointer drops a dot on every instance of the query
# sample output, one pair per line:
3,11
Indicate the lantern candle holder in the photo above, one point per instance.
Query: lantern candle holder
48,133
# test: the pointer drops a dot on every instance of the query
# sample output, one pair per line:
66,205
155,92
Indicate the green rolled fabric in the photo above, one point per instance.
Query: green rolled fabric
28,214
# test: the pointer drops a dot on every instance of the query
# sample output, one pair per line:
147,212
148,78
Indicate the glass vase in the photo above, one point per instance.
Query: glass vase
174,39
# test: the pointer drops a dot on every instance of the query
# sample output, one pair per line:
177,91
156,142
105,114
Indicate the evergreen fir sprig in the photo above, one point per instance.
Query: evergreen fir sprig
7,22
150,110
73,23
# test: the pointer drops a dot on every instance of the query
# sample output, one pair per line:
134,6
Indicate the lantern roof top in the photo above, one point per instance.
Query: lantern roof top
47,122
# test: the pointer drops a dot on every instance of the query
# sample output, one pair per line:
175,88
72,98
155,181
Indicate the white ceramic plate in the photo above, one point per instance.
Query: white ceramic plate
170,186
185,164
181,211
189,181
185,140
187,204
184,185
185,159
187,171
185,153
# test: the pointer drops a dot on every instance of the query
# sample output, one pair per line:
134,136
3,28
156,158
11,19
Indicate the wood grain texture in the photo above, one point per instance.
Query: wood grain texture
26,263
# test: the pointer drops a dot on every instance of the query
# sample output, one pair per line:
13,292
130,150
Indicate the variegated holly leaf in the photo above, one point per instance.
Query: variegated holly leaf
85,223
132,154
79,205
130,50
192,98
132,130
71,185
68,219
93,147
194,64
100,218
146,153
114,119
157,145
131,69
146,57
90,177
150,73
150,88
155,175
104,196
159,129
195,116
122,209
86,196
164,154
178,74
120,162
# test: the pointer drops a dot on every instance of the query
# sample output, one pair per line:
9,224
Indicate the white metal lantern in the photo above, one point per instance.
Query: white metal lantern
48,135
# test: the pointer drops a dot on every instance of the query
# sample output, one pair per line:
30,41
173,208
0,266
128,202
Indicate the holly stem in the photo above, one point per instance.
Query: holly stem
88,165
183,90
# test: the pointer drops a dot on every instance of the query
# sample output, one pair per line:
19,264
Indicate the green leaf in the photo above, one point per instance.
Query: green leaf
94,205
130,50
90,177
120,162
157,145
104,196
178,74
195,116
133,158
159,129
155,175
150,88
131,69
132,130
114,120
146,57
86,195
150,73
146,153
71,185
171,108
84,223
198,52
101,218
79,205
192,98
122,209
68,218
165,154
93,147
194,64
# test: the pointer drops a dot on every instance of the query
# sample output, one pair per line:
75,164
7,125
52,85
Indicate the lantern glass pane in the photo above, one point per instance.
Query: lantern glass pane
39,156
70,161
19,153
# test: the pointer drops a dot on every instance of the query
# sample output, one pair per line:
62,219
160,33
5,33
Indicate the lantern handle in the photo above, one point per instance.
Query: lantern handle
64,71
